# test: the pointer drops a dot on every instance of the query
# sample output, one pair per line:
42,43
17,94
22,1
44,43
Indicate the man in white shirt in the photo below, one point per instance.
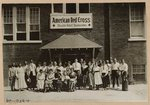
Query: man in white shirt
115,72
77,69
77,66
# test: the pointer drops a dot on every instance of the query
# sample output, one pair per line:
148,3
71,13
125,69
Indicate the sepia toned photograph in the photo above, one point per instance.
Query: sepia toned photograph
76,52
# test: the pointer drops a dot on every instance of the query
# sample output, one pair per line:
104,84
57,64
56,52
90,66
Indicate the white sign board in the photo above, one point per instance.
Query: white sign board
71,21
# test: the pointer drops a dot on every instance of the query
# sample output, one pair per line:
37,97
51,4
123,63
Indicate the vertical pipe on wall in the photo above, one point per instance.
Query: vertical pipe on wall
107,32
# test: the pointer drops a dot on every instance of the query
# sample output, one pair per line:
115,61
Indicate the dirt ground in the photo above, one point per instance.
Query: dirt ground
136,93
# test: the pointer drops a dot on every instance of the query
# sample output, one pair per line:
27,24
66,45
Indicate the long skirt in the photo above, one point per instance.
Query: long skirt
91,79
97,78
79,78
33,81
85,80
12,83
105,80
124,81
40,84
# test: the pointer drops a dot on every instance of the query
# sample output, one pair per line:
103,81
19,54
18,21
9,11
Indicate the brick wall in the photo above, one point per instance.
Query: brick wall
132,52
18,53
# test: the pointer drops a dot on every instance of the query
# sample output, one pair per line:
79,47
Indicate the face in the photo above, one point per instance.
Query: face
44,63
89,63
31,61
107,61
20,64
69,62
51,63
76,60
60,64
39,64
25,62
13,64
84,62
55,63
81,60
115,60
123,61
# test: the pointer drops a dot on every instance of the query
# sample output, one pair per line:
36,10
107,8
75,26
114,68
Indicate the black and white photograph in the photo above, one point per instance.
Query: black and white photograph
72,51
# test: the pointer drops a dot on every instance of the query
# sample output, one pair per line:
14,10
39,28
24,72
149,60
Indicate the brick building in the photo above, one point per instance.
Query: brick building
118,27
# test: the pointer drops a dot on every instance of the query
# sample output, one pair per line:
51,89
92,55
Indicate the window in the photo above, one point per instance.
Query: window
21,24
139,72
8,24
84,8
70,8
58,8
34,23
137,21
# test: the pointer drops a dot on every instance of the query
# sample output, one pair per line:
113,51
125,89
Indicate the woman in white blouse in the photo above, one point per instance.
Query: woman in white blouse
97,75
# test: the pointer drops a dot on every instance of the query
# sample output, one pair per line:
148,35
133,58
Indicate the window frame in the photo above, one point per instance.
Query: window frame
64,8
143,38
7,23
27,25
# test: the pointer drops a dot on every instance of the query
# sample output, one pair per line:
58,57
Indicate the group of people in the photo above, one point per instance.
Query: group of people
68,76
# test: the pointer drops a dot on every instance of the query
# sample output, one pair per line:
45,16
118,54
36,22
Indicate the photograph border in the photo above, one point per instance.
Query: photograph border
147,2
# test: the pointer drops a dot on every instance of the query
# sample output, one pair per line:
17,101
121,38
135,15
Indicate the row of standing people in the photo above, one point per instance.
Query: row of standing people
92,74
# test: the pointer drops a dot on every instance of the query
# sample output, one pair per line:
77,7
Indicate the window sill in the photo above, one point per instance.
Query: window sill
136,39
11,42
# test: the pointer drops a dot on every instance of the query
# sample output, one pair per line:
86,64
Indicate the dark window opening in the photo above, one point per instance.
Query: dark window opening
8,29
58,8
84,8
34,36
71,8
21,27
21,36
8,38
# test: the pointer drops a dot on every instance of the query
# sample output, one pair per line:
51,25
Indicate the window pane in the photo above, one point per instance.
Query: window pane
34,36
21,27
21,36
137,29
34,15
8,29
21,15
8,38
7,15
71,8
34,27
58,8
137,12
84,8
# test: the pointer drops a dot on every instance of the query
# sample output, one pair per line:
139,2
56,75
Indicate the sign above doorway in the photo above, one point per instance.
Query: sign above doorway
71,21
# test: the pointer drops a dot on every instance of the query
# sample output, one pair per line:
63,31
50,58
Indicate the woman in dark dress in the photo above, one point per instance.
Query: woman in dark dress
124,74
58,82
28,78
105,76
84,69
32,68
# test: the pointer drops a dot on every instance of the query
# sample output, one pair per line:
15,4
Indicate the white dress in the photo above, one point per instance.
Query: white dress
97,75
40,80
20,82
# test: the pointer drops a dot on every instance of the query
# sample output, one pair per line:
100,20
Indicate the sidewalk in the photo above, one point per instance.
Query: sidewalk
136,93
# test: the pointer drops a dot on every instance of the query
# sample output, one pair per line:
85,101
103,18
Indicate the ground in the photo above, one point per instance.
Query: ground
136,93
